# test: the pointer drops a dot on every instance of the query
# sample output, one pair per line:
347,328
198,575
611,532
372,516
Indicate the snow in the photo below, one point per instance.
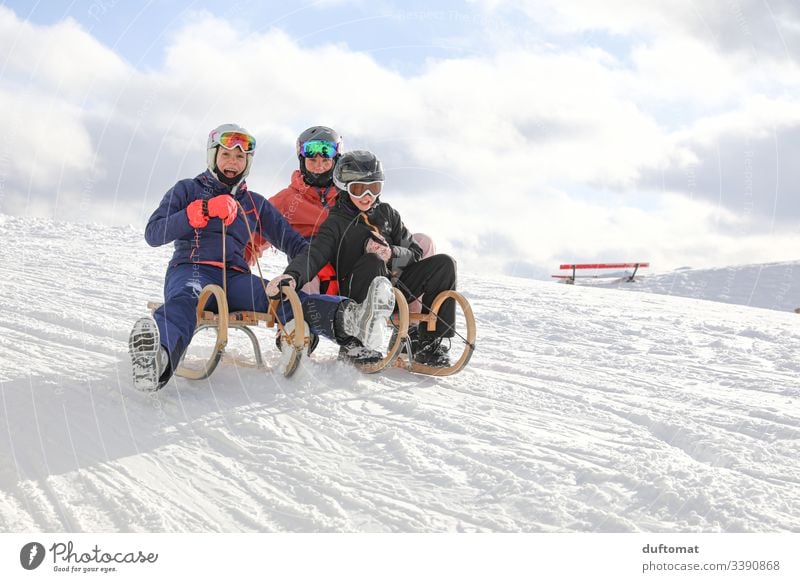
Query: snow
770,286
584,409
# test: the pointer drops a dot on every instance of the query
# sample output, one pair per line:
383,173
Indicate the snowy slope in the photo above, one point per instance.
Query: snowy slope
770,286
583,409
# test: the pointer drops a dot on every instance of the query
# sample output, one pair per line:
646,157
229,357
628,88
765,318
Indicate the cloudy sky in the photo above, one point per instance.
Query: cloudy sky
519,134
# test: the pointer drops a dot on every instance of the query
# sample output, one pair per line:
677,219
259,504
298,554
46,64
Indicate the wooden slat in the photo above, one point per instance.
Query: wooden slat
240,317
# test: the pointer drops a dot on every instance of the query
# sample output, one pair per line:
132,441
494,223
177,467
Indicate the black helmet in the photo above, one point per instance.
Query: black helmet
357,166
318,140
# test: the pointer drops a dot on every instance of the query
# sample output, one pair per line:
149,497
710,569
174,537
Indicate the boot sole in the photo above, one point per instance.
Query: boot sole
378,307
143,346
356,361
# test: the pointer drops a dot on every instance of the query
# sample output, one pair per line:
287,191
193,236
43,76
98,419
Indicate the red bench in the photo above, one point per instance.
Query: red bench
570,279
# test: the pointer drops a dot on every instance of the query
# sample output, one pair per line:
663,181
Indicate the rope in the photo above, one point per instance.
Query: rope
270,303
224,262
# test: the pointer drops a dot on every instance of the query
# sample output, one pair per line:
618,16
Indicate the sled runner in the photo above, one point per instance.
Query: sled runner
293,344
399,323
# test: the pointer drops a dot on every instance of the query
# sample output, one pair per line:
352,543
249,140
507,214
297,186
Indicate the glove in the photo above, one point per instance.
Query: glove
274,286
379,247
223,207
197,212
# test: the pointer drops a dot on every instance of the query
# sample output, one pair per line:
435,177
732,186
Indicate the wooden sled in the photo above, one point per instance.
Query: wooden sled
293,343
400,321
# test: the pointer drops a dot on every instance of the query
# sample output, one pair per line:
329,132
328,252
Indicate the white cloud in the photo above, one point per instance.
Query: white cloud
746,25
687,69
62,58
42,138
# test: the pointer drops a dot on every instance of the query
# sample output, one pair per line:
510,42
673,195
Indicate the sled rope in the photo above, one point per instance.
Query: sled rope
270,303
224,263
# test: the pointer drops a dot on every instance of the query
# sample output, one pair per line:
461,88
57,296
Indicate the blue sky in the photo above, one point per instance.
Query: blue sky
401,35
520,134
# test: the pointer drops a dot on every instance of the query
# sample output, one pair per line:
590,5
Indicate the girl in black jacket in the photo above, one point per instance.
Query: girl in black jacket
365,238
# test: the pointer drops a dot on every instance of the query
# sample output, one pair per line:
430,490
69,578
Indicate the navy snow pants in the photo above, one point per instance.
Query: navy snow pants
177,318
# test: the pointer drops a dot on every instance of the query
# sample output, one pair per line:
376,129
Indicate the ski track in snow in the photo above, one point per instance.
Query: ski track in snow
583,409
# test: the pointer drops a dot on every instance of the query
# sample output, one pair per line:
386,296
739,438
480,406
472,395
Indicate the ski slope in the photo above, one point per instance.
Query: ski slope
583,410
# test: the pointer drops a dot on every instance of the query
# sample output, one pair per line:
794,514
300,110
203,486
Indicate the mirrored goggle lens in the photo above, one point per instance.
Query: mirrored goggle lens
318,147
232,139
361,189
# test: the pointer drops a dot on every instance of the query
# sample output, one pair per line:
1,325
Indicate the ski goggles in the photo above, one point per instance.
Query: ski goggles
233,139
361,189
319,147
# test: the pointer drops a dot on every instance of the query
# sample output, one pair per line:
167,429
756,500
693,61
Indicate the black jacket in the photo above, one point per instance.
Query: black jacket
343,236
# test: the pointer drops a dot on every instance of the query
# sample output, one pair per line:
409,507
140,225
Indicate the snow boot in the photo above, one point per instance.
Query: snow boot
366,321
433,352
149,359
353,351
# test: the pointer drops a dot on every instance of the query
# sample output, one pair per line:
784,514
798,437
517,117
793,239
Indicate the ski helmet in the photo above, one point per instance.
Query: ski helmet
357,166
230,136
318,140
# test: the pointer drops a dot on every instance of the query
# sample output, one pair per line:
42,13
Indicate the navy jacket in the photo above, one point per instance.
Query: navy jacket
204,245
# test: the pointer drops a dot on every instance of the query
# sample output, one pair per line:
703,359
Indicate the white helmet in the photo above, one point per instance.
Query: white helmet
230,136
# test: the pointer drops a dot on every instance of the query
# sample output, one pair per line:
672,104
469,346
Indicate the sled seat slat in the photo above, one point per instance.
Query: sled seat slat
234,317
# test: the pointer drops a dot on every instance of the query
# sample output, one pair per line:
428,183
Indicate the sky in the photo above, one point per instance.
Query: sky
520,135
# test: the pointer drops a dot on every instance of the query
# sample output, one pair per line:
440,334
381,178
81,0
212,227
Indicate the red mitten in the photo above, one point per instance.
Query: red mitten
198,214
224,207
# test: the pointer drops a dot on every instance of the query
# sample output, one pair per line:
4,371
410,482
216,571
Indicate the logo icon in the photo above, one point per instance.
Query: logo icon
32,555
